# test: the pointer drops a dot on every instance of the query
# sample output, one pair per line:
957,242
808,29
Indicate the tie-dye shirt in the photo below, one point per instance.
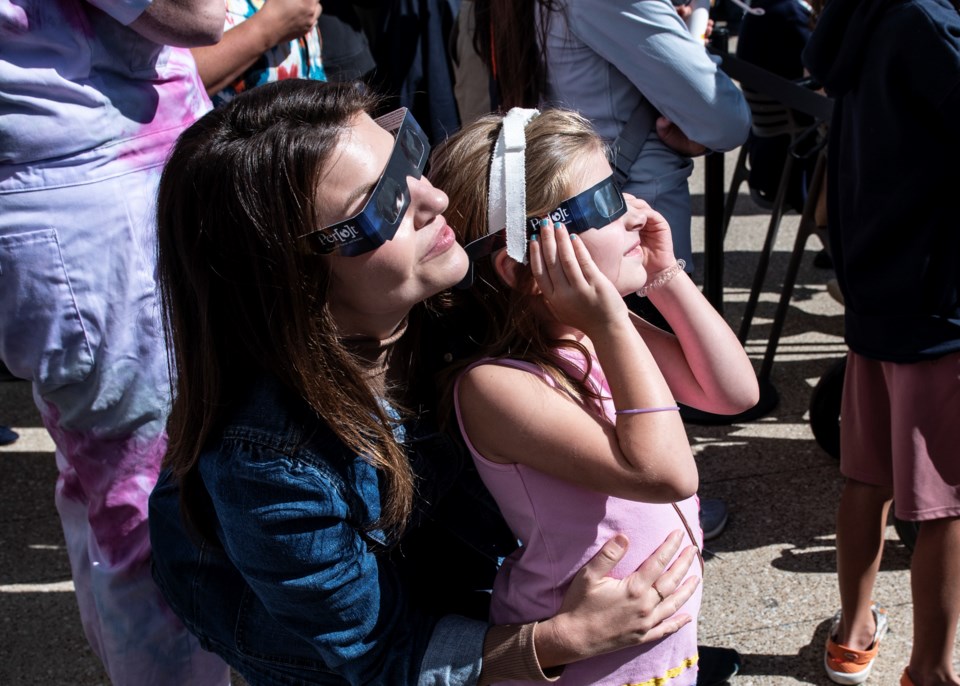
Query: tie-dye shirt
298,59
82,96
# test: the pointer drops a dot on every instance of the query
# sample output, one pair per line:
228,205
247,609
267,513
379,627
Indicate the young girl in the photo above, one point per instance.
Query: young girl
570,409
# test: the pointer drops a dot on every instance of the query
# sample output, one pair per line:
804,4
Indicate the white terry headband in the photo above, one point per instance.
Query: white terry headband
507,203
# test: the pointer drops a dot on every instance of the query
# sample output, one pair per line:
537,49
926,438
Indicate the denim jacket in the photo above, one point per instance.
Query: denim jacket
296,592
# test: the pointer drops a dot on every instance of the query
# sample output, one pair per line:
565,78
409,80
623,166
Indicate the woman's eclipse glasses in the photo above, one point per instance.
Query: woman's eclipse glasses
380,217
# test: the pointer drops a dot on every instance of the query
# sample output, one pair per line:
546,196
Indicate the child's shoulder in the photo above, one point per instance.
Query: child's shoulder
502,404
494,371
508,386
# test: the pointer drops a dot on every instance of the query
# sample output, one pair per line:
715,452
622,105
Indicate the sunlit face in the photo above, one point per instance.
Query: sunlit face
371,293
615,247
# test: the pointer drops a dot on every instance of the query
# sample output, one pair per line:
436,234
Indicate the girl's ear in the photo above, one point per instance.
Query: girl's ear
512,272
506,268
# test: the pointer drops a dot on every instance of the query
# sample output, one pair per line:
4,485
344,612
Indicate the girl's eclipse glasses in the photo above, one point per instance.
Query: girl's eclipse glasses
594,208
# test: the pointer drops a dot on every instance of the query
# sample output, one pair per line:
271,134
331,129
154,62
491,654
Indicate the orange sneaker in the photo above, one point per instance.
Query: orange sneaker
843,664
905,679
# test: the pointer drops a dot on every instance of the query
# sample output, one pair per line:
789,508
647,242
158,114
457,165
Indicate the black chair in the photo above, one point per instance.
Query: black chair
776,104
770,119
766,89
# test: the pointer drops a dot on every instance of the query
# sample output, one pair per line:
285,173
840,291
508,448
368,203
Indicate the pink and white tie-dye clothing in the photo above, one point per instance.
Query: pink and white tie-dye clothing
79,88
296,59
88,112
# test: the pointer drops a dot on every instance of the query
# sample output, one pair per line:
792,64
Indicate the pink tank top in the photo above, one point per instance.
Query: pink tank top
561,527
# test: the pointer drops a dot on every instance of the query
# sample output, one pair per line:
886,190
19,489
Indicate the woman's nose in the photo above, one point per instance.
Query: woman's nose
426,201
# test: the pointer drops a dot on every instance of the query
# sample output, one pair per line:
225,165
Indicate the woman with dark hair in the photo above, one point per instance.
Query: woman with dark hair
308,527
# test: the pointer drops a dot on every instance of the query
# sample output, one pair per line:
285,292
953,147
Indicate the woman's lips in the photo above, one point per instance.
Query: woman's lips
444,241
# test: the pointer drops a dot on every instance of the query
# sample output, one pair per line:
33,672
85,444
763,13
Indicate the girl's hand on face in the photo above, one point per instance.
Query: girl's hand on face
576,291
655,236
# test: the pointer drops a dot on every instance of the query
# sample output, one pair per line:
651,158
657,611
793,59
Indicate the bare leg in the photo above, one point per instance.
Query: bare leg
861,520
935,580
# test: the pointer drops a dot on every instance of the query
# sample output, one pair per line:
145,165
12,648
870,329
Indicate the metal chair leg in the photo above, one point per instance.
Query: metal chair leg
740,175
764,259
808,226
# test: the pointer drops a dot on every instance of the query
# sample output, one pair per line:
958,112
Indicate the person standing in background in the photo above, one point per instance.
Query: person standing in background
346,47
91,99
263,41
410,40
472,84
893,69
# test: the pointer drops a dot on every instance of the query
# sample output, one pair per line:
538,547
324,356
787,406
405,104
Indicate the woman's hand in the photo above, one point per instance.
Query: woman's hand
600,614
655,235
576,291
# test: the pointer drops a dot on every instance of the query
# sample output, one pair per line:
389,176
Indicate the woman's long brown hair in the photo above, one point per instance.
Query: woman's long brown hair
242,294
510,39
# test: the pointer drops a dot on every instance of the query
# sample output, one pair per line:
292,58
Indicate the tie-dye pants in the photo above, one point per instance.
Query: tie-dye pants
79,318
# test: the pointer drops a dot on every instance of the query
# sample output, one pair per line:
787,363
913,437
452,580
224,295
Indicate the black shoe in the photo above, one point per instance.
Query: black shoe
713,517
7,436
717,665
822,260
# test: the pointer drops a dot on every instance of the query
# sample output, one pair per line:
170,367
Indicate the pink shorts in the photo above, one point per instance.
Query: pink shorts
901,427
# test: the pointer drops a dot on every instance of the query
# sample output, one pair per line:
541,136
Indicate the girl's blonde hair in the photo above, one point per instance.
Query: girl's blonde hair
501,321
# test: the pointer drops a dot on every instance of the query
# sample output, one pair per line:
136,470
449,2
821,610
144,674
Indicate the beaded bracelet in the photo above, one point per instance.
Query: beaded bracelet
661,278
644,410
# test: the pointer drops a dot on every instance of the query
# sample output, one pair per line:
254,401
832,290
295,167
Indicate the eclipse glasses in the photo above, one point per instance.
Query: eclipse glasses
380,217
594,208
